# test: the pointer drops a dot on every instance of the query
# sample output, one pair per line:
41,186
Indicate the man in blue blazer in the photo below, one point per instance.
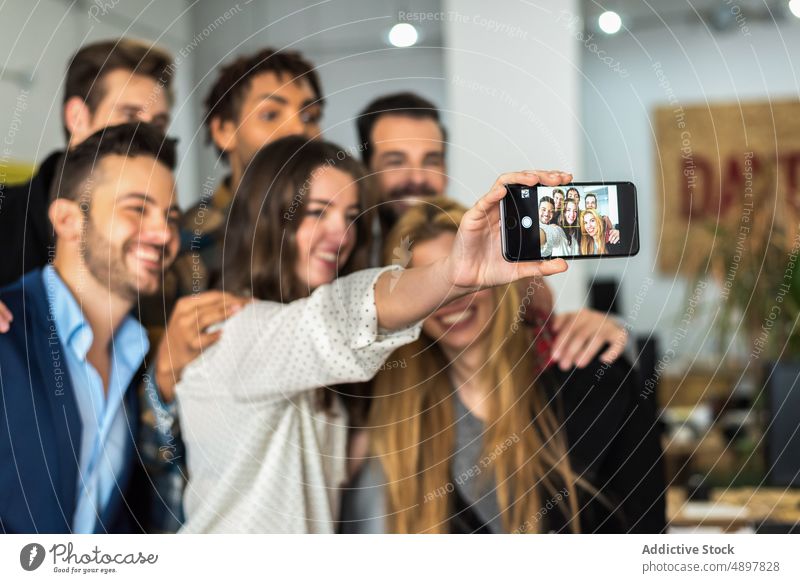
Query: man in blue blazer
71,362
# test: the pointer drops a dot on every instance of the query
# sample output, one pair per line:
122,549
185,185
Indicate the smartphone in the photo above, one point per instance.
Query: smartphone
580,220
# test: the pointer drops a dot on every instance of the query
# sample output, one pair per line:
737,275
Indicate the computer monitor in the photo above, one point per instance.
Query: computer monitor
783,424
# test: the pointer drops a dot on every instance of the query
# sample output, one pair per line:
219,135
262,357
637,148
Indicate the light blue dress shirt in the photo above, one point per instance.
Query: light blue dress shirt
105,434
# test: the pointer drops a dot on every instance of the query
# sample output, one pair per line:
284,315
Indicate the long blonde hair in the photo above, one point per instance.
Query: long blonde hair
593,245
411,418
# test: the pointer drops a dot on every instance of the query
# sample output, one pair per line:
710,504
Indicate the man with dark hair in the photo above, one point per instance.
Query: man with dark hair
114,82
107,83
255,100
68,366
258,99
403,143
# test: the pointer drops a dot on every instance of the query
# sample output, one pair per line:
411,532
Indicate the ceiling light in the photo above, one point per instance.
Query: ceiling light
403,35
610,22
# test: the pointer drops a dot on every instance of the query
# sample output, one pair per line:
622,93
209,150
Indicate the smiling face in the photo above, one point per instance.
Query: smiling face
463,322
130,234
590,224
545,212
274,107
571,212
591,202
408,158
326,234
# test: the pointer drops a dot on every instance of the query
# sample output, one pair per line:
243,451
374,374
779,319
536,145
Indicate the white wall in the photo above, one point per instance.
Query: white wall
619,143
513,101
38,40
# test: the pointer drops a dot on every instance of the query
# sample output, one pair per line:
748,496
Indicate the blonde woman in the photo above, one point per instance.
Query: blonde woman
475,433
593,233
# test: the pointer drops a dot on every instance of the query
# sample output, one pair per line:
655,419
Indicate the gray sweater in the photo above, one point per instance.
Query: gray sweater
364,505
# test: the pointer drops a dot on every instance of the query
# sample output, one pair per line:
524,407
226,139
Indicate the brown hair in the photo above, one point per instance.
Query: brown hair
227,95
89,66
411,417
130,140
405,104
573,232
260,248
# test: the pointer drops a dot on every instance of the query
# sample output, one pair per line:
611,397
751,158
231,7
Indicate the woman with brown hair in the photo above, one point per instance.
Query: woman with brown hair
569,223
474,432
266,451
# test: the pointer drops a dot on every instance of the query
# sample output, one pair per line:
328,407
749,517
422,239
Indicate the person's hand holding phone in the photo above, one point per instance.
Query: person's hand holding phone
476,260
604,225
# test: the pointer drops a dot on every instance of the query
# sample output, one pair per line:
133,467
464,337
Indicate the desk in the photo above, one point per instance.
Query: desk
732,509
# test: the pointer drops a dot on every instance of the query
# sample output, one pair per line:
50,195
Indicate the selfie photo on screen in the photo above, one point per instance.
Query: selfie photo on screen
583,220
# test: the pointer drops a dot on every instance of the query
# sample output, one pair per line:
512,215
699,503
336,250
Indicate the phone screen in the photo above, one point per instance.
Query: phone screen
578,220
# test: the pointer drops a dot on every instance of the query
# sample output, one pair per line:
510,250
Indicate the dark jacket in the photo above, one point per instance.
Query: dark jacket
40,425
26,236
615,443
615,437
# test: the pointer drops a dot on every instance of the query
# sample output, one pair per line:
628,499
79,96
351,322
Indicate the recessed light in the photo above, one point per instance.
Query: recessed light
610,22
403,34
